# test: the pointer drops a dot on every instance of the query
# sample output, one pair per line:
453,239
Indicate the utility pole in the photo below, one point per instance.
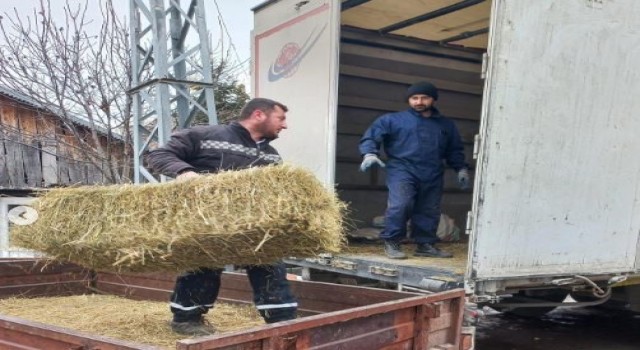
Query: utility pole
171,73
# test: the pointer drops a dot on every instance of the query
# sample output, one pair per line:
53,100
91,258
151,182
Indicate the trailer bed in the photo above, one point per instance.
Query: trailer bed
331,316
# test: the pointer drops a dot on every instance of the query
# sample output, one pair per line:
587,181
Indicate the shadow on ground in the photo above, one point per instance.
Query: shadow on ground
562,329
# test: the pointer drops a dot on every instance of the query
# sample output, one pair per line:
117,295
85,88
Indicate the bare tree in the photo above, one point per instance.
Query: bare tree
81,72
77,74
230,95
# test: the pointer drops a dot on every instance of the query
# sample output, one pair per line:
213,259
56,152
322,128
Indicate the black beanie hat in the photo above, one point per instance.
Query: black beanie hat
422,88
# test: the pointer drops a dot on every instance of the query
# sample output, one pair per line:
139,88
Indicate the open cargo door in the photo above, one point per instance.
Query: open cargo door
558,185
295,50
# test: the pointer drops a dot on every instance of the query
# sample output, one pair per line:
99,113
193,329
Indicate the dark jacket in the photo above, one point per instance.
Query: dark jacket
209,149
415,146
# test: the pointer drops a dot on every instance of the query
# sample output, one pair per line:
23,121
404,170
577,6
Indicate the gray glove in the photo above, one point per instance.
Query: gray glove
463,179
369,160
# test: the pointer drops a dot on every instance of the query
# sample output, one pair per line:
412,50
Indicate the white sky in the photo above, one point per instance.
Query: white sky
237,15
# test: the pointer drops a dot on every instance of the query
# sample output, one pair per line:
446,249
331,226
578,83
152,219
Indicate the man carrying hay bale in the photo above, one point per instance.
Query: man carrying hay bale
209,149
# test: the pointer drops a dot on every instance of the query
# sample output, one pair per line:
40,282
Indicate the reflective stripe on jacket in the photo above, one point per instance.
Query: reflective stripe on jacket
209,149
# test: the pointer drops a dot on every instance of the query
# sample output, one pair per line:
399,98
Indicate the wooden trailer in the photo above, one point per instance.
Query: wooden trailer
332,316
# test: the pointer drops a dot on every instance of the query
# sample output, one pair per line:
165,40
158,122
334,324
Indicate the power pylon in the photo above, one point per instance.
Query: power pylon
171,73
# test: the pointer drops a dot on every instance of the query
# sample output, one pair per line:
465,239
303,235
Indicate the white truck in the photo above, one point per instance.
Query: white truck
544,94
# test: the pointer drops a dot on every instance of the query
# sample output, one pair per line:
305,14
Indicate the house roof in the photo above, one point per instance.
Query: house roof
18,192
75,118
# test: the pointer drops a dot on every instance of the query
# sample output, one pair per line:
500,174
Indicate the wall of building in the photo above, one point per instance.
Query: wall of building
36,150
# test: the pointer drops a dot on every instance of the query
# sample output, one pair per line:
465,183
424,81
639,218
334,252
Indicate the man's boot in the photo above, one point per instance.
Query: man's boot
427,250
393,251
195,328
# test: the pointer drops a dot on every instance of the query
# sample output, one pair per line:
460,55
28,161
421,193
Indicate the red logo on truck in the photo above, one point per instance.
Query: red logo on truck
290,56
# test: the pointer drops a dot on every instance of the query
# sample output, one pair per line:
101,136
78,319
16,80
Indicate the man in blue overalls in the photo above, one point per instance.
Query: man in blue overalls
416,142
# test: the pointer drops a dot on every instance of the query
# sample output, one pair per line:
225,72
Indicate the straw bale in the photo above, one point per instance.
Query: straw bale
248,217
145,322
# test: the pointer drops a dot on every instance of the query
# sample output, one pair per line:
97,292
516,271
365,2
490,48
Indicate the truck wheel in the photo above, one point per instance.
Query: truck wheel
533,296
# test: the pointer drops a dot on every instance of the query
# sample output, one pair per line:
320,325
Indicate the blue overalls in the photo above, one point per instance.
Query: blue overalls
416,148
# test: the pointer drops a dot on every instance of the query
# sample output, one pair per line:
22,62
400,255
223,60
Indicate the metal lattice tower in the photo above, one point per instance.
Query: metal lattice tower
171,69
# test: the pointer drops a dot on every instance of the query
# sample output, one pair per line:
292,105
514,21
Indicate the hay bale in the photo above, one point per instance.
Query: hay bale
249,217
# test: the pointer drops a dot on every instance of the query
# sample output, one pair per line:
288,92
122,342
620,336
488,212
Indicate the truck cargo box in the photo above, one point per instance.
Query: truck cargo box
540,91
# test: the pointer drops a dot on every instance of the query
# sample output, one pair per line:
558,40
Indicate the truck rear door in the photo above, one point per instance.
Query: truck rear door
295,51
558,178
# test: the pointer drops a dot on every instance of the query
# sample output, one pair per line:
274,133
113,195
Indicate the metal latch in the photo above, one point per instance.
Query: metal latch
485,298
476,146
485,64
322,259
344,264
469,222
383,271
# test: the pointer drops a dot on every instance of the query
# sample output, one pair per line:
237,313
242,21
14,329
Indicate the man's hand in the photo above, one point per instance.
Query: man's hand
187,175
463,179
369,160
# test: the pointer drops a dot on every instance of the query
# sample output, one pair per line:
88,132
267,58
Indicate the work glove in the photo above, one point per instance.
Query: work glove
187,175
369,160
463,179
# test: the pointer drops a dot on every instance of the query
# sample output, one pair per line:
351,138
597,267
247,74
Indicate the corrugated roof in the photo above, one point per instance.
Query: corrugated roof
19,97
75,118
18,192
